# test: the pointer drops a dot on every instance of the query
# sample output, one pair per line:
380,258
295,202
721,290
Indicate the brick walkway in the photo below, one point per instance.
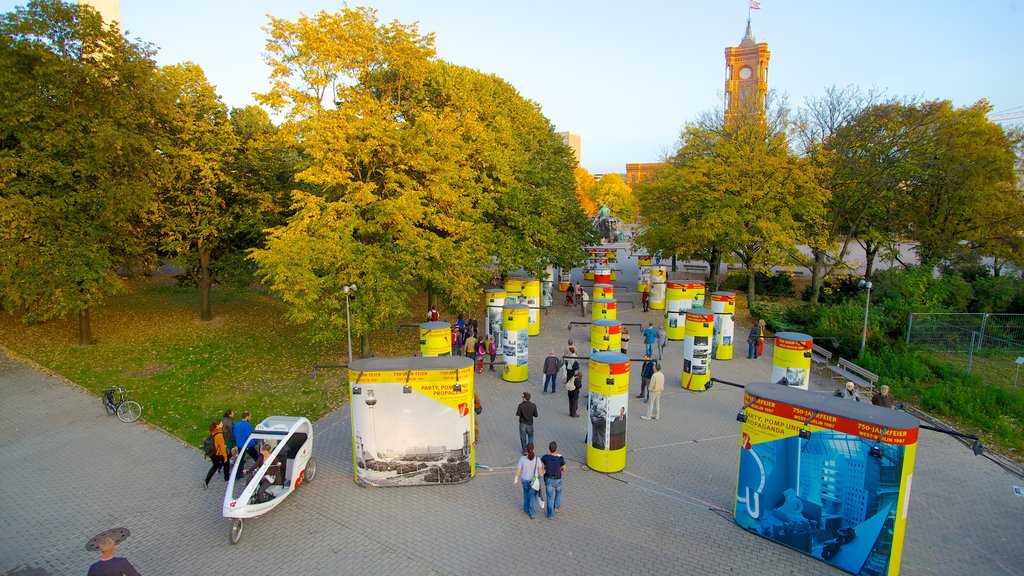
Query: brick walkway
68,471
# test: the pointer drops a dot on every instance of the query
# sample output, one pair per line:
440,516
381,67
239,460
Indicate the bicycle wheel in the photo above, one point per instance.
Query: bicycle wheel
129,411
236,531
310,472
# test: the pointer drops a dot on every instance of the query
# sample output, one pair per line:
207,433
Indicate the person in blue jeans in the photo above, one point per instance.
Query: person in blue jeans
650,338
526,469
756,333
552,466
526,412
551,366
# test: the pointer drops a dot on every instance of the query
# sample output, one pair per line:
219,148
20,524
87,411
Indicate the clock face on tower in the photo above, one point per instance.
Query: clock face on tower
745,73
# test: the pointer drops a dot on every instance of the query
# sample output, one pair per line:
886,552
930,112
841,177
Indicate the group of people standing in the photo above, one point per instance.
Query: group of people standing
466,341
228,440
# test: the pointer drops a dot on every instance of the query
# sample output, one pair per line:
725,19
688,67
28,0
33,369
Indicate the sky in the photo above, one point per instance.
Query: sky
627,76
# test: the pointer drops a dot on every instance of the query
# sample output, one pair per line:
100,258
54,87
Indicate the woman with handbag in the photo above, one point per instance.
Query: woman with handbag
528,473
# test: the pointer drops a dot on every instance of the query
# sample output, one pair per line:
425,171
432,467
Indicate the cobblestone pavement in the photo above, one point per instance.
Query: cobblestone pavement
68,472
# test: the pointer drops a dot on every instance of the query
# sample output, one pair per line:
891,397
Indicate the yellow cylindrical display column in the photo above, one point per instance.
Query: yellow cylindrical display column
643,278
602,276
426,421
494,301
531,293
791,364
605,336
723,304
676,306
514,290
435,339
564,281
607,405
693,292
603,291
515,342
604,309
697,349
658,276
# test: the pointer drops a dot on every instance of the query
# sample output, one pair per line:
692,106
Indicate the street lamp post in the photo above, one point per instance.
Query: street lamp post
867,308
348,290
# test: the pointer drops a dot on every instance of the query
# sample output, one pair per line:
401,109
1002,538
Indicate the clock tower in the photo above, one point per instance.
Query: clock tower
746,76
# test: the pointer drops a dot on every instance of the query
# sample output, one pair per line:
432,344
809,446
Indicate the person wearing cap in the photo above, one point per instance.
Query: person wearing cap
882,397
850,393
526,412
108,564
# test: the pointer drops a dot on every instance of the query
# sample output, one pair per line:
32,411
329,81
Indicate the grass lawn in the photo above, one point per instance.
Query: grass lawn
186,372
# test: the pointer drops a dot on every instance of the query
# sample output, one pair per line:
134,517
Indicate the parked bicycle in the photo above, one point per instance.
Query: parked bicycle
115,402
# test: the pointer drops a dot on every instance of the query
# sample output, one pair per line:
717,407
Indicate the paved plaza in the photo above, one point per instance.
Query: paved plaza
68,471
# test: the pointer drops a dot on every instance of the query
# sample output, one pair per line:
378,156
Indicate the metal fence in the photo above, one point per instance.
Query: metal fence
989,342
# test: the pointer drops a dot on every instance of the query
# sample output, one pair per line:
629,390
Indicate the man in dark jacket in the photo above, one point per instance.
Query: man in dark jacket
646,371
551,365
526,412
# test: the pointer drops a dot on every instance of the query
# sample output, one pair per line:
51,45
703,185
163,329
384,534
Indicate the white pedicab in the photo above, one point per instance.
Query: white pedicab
290,464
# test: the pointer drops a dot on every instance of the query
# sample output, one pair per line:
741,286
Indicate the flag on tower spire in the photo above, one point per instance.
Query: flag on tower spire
755,5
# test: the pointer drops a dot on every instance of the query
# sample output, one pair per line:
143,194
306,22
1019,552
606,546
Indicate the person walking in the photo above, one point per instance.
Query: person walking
457,341
526,412
481,353
646,372
624,345
228,428
573,386
552,465
655,389
108,564
470,346
662,340
650,339
492,350
526,470
551,366
755,336
242,431
219,458
645,299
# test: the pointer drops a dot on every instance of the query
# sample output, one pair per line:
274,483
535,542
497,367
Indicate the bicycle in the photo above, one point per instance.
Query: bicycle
114,402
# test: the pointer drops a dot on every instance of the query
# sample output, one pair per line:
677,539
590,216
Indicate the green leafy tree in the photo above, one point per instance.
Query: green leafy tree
612,191
78,168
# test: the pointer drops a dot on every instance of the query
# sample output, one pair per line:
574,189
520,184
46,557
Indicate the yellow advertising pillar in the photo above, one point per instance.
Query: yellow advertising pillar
602,276
547,287
531,293
420,402
694,292
676,306
697,349
435,339
658,276
494,301
825,476
607,405
515,341
723,304
791,364
564,281
643,278
514,290
604,309
603,291
605,336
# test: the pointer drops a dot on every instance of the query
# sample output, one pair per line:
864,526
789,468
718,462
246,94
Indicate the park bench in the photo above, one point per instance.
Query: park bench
850,371
695,267
820,355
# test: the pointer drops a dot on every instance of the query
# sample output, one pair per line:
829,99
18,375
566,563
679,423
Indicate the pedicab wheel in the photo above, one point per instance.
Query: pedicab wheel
310,471
236,531
129,411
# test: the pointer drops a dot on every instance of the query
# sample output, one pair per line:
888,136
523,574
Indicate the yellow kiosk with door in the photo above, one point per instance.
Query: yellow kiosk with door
697,349
791,364
515,342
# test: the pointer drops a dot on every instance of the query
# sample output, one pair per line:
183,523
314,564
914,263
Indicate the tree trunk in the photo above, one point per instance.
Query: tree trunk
431,300
205,313
997,268
750,285
870,252
364,346
714,263
674,268
817,275
84,328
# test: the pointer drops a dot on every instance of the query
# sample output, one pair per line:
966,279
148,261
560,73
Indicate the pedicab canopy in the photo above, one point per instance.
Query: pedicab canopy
412,420
827,476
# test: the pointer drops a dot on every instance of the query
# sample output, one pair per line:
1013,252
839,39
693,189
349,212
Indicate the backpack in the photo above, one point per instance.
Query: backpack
208,448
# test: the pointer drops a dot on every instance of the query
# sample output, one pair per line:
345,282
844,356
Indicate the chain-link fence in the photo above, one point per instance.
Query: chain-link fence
986,345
